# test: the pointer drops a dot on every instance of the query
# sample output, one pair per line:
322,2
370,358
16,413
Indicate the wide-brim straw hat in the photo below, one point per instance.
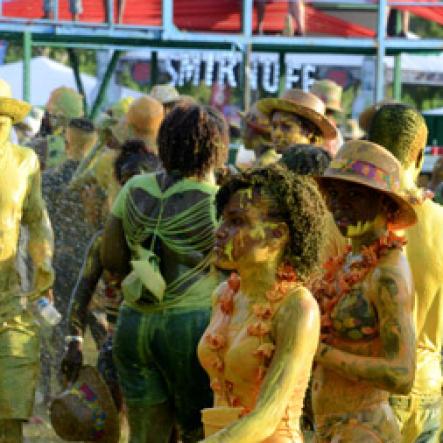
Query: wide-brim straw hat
371,165
303,104
330,92
86,410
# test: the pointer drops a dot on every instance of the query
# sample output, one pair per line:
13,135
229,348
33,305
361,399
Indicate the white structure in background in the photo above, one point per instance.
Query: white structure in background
47,75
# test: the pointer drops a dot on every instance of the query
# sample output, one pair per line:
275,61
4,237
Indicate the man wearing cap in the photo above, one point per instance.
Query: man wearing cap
167,95
257,137
402,130
63,105
330,92
21,205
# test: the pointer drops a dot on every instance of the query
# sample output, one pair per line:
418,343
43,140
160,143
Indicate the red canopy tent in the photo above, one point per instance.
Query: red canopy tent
210,15
192,15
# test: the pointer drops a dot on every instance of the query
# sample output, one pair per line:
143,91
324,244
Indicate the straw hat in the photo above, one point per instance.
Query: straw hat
301,103
371,165
86,411
142,120
257,119
17,110
65,102
329,92
352,130
165,94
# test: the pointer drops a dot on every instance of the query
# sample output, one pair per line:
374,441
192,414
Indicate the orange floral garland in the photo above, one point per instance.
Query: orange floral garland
335,283
260,328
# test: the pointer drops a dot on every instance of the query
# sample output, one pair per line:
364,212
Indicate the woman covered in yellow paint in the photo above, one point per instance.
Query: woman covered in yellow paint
259,346
366,299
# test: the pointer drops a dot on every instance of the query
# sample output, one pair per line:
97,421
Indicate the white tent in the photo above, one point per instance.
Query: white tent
47,75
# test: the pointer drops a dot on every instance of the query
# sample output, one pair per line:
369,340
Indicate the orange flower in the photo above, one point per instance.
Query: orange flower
234,282
227,301
259,329
261,371
263,310
265,350
217,364
216,341
216,385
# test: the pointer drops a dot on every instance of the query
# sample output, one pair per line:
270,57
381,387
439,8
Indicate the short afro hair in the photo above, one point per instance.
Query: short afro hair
401,129
296,201
306,159
192,139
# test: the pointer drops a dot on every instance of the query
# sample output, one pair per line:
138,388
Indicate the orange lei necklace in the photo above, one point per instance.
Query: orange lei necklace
260,328
338,279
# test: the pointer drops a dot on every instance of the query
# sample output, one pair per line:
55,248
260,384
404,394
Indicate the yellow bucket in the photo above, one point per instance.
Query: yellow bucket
215,419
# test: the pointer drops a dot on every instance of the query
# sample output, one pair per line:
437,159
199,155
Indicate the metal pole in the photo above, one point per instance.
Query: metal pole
27,55
381,50
168,18
397,64
75,65
246,77
247,18
154,68
104,85
110,12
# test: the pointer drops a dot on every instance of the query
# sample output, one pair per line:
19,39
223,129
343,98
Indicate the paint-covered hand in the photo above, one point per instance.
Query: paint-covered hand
72,361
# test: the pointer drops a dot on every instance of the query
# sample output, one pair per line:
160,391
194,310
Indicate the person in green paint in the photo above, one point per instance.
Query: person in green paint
63,105
21,205
162,226
133,159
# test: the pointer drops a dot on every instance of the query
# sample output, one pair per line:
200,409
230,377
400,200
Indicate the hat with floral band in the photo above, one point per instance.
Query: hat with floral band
303,104
86,410
371,165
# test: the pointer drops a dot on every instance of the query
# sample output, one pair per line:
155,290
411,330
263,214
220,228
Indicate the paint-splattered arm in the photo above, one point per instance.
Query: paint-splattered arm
297,319
394,369
41,239
115,253
89,276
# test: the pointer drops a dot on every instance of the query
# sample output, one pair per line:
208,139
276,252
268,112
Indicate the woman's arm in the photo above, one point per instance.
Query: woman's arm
115,254
296,330
393,371
81,296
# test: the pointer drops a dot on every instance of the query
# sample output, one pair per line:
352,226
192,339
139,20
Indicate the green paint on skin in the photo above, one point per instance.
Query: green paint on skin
229,249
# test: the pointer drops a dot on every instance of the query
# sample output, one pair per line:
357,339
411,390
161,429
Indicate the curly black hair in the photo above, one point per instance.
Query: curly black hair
134,158
192,139
306,159
401,129
296,201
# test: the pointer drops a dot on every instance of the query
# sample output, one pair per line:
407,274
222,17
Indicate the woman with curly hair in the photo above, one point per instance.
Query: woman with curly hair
367,348
161,234
259,346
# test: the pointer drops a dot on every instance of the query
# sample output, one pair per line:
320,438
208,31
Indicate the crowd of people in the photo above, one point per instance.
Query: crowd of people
295,298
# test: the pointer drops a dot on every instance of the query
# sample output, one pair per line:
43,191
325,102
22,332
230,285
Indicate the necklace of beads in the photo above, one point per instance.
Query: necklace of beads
260,328
342,273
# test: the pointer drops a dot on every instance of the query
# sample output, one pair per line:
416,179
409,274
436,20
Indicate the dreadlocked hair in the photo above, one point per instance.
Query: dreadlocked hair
192,139
296,200
401,129
306,159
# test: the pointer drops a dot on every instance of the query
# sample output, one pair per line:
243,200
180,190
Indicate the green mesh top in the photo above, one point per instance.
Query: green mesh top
185,233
